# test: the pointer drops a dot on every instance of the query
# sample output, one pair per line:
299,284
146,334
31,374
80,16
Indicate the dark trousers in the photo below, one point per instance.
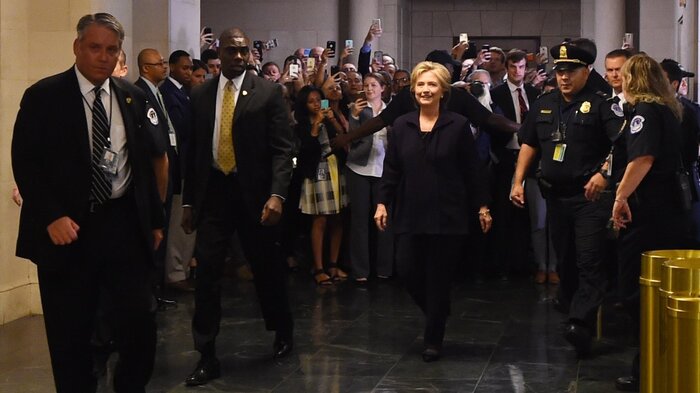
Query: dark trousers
426,264
364,197
224,213
511,230
109,260
658,227
578,228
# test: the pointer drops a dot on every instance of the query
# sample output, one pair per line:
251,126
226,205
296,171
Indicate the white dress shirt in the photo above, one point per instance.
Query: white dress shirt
513,143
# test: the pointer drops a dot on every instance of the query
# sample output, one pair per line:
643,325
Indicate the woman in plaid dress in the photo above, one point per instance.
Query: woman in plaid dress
323,190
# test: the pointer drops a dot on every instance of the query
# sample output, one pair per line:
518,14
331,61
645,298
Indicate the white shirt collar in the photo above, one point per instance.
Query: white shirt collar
176,83
237,81
151,86
512,86
86,86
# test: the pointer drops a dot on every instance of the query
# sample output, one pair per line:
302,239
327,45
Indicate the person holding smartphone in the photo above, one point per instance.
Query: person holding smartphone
323,194
365,164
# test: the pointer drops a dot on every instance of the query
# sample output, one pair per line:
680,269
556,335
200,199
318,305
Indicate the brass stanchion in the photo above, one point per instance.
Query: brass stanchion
683,332
652,374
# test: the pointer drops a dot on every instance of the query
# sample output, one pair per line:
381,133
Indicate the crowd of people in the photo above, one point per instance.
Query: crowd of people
365,171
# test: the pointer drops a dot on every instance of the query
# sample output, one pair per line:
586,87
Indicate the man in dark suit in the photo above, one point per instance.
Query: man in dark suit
510,229
237,178
91,216
179,246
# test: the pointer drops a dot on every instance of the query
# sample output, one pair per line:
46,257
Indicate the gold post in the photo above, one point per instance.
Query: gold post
683,332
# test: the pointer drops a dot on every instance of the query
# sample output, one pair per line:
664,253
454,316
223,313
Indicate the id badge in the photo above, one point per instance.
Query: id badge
173,139
109,162
321,174
559,151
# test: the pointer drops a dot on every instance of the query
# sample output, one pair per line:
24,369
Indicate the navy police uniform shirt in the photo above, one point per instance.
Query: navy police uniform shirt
652,130
573,138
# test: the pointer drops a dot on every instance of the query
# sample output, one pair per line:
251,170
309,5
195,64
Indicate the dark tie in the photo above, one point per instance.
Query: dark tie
522,104
101,188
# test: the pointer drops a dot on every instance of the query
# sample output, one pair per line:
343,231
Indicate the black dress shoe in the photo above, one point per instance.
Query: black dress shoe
627,384
430,354
205,371
579,337
165,304
282,346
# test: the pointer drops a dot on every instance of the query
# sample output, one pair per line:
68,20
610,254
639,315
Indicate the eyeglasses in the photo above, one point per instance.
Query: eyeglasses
162,64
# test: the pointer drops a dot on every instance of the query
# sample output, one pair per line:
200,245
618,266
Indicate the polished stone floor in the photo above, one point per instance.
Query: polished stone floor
502,337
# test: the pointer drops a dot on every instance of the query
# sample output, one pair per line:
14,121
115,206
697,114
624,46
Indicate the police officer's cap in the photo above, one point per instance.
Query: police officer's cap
675,71
568,57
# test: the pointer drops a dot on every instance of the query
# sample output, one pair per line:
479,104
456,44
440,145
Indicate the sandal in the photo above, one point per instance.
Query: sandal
322,278
336,273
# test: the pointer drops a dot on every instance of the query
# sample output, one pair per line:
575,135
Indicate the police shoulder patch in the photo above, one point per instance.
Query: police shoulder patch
617,110
152,116
636,124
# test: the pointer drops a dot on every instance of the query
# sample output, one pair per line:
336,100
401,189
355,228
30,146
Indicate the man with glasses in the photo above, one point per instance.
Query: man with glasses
402,78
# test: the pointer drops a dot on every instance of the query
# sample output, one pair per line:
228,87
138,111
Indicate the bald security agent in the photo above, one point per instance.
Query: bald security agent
572,129
237,177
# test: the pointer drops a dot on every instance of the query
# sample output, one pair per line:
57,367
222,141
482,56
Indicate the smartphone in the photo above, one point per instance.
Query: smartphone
487,55
271,44
627,40
294,70
544,54
542,67
310,63
331,47
378,56
307,51
530,57
377,23
463,37
258,45
362,95
348,44
207,30
324,104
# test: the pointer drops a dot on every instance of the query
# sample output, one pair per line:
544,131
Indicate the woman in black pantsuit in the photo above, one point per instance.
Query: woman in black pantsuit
432,182
647,208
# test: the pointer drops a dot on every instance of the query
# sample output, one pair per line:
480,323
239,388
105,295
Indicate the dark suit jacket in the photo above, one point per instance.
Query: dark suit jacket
310,149
433,184
174,177
51,160
502,98
179,108
262,138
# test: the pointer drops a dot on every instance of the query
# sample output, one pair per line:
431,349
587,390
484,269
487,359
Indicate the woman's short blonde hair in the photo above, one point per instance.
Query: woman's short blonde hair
644,81
442,74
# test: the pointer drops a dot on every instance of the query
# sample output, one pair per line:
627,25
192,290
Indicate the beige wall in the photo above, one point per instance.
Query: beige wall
435,22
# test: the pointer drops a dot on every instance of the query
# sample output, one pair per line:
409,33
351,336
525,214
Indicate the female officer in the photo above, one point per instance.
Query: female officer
648,215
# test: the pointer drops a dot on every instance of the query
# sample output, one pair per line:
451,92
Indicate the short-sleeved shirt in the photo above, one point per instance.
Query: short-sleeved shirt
586,127
652,130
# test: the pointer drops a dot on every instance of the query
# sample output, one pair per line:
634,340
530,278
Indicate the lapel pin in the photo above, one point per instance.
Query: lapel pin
244,92
128,100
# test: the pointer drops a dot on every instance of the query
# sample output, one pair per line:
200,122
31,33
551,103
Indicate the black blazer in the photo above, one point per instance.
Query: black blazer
52,165
174,177
262,137
310,149
179,108
502,98
433,182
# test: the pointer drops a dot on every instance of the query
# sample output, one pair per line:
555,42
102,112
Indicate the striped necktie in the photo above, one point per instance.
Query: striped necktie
101,188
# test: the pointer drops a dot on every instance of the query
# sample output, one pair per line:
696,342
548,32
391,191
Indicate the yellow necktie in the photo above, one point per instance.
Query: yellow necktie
226,157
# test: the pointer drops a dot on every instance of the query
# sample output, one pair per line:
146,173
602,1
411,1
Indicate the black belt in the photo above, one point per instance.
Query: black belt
95,206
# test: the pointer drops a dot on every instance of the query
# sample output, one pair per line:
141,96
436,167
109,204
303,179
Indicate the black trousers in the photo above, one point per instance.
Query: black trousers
110,260
426,264
223,214
511,230
657,227
578,228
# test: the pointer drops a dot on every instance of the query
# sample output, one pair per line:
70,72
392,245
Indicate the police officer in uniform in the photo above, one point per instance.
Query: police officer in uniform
570,130
648,208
